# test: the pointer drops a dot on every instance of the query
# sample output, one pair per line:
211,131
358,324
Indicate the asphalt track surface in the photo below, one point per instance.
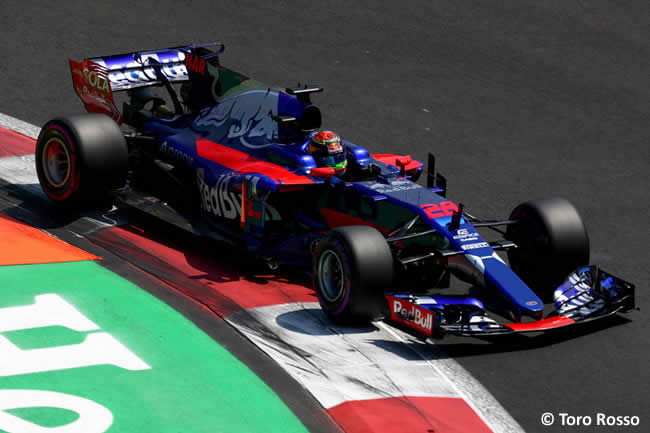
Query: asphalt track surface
518,100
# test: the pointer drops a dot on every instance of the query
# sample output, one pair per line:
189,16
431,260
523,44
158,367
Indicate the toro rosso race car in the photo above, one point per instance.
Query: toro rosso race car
224,156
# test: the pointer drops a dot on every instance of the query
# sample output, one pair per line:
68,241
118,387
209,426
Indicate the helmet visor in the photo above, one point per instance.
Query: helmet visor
336,161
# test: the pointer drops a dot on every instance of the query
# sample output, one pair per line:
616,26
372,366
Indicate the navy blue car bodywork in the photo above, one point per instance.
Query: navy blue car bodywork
235,166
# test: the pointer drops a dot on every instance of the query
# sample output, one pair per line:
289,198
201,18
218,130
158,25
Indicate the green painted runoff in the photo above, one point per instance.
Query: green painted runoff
193,385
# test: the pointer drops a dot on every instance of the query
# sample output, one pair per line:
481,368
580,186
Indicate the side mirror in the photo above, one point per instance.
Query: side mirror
311,118
403,161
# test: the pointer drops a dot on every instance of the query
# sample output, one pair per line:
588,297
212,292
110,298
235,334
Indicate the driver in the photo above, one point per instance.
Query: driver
328,150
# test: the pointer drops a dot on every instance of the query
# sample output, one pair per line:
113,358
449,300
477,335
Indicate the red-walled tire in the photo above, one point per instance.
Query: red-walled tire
80,158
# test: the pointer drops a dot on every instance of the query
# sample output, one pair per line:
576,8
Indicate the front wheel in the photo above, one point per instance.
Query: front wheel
352,268
551,243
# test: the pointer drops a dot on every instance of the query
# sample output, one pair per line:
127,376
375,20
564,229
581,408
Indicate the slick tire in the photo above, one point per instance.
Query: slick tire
80,158
352,268
551,243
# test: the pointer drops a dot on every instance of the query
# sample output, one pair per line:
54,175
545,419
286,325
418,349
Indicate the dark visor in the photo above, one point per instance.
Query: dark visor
331,160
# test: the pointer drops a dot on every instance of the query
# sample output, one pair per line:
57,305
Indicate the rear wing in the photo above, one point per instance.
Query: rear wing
131,70
95,79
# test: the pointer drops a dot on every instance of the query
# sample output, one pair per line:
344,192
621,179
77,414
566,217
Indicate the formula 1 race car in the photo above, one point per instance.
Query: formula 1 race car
230,159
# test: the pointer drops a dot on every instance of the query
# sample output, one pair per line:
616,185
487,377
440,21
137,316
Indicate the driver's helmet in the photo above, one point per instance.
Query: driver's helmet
328,151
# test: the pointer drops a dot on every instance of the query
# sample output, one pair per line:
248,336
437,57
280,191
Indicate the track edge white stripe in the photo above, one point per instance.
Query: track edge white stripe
19,126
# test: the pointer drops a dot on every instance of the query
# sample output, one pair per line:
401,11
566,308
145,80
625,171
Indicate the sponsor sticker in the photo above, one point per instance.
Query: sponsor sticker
195,64
395,186
90,81
219,200
411,315
464,235
442,209
125,71
475,246
175,153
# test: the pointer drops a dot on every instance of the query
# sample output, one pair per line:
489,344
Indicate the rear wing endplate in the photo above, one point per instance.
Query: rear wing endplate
91,82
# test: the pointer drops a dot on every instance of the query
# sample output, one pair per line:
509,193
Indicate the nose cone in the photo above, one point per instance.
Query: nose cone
523,300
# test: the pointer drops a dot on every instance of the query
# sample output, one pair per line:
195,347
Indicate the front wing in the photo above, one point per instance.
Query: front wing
588,294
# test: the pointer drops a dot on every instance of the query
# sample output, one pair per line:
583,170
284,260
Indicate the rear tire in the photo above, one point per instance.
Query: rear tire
80,158
551,243
352,268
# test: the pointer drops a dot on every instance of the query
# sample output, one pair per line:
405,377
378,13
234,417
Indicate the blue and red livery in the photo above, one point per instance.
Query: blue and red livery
226,156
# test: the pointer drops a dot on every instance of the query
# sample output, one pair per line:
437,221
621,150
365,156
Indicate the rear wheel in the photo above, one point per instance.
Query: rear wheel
352,268
551,243
80,158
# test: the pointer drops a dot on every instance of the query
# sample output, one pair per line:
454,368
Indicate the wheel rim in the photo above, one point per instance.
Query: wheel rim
330,276
56,162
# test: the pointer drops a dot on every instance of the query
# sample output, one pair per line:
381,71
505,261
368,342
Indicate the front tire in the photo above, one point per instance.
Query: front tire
551,243
352,268
80,158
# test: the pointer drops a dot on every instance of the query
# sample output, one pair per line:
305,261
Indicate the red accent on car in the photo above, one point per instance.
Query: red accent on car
541,325
244,202
409,314
449,207
195,64
432,210
337,219
392,159
445,208
90,81
326,172
247,209
245,163
403,160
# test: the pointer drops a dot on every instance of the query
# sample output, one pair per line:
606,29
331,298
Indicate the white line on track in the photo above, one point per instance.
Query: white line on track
19,126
